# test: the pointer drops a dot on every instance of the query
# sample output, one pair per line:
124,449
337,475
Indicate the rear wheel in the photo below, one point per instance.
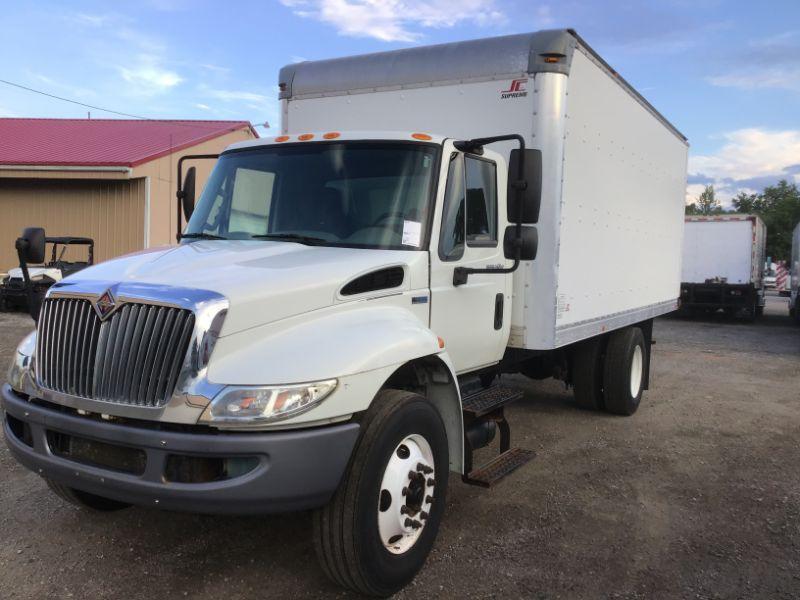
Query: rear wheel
624,373
587,373
85,499
375,534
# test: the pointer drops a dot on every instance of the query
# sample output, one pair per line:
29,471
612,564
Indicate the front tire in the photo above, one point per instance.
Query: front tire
624,376
376,532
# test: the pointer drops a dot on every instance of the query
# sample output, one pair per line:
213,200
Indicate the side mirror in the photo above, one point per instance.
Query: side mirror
187,193
528,244
30,245
531,194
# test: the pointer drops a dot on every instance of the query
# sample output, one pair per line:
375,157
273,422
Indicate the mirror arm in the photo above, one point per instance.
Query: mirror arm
461,274
180,193
22,246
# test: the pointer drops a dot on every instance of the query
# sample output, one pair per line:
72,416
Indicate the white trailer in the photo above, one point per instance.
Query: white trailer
794,276
723,264
328,332
613,168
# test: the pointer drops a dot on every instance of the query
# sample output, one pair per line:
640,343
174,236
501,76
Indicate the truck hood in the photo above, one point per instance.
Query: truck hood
264,281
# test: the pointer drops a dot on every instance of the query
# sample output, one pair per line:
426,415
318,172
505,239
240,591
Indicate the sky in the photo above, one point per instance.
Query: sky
727,74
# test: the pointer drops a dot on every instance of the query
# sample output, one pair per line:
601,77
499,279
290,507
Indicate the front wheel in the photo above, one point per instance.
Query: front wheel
376,532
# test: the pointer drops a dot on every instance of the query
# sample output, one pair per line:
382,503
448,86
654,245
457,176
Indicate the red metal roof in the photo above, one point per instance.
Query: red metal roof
102,142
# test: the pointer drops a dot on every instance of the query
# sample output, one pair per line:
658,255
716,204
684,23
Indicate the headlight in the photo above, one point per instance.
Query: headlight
246,406
20,375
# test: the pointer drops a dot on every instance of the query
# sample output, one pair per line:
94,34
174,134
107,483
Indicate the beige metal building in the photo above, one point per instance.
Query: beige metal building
108,179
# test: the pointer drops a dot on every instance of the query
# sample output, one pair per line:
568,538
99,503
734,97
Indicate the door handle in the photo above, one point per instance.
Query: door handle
498,311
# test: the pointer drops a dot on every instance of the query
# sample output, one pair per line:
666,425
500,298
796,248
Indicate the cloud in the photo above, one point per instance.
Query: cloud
772,62
92,20
776,78
230,102
749,160
397,20
700,179
202,106
148,77
252,98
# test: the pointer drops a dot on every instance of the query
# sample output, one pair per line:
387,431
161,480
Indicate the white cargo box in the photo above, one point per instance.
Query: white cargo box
724,247
614,169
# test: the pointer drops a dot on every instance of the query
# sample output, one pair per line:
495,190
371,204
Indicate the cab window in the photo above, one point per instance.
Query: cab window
470,206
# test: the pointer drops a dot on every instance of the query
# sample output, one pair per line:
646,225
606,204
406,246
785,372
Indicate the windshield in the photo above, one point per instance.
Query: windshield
355,194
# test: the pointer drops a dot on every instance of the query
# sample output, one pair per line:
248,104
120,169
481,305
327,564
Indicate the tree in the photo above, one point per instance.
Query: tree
748,204
779,206
706,204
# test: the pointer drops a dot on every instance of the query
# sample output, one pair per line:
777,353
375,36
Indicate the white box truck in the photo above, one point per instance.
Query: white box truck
723,265
794,276
328,332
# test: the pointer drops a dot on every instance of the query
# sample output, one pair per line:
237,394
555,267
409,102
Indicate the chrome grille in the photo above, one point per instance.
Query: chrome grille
133,357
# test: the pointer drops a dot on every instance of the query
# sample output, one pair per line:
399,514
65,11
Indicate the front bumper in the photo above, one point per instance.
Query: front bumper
296,470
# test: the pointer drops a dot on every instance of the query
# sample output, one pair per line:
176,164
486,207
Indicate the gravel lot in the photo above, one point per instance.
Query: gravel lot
696,496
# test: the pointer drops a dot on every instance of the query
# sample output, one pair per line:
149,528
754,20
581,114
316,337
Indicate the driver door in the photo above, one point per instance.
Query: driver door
473,319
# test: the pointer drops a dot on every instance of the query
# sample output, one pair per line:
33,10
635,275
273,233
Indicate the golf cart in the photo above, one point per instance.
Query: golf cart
13,289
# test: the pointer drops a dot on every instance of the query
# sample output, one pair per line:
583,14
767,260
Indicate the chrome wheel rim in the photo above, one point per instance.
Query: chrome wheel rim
637,365
406,494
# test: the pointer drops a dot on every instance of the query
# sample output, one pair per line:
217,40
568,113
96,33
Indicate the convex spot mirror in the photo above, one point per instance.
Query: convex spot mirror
187,197
30,245
531,195
528,244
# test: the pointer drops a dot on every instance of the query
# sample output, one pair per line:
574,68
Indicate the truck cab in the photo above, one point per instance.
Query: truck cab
315,274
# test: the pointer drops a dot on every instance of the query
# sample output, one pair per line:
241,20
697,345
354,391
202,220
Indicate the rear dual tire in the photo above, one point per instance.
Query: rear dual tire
608,372
624,371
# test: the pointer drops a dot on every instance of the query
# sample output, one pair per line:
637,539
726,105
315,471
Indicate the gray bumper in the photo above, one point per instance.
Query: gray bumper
296,470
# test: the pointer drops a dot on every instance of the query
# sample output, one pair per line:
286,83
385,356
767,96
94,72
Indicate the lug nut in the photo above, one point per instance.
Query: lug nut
431,482
404,510
405,491
423,515
408,523
429,499
424,468
412,475
416,524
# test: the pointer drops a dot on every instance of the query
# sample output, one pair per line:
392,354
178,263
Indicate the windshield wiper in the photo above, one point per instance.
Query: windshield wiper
202,236
292,237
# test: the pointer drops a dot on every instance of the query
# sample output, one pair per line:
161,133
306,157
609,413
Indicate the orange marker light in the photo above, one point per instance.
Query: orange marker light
331,135
281,138
305,137
441,342
421,136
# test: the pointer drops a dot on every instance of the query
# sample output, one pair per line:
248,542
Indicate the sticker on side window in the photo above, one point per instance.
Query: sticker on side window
411,233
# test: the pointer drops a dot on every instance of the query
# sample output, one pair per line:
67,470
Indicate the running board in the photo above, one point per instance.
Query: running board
487,405
497,468
483,402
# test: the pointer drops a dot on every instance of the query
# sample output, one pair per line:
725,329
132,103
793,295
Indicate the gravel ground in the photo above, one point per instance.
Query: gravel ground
696,496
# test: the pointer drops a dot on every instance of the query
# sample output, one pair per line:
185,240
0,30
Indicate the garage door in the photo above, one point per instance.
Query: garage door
110,212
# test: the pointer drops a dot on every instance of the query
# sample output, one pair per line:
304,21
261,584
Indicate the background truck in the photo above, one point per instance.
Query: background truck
723,264
794,276
328,332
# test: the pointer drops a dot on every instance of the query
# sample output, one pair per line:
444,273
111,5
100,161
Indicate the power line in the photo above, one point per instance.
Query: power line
108,110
